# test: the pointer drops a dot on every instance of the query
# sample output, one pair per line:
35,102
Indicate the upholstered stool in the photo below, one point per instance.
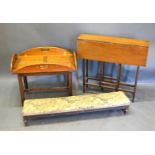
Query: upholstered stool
74,104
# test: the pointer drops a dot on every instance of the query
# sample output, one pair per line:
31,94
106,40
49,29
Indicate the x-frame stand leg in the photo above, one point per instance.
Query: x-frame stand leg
21,87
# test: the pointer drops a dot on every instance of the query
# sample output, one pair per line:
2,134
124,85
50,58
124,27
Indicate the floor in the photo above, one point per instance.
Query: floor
141,115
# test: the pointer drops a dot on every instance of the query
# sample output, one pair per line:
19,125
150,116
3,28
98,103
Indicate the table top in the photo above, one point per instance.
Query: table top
113,39
43,60
119,50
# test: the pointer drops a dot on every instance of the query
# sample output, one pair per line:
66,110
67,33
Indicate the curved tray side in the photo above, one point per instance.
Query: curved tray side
66,60
46,51
13,59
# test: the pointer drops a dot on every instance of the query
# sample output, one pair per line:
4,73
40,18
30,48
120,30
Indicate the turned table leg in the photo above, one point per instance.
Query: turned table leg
118,76
135,85
21,88
84,75
69,83
101,74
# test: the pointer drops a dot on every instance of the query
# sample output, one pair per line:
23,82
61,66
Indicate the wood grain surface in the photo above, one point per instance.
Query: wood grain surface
112,49
43,59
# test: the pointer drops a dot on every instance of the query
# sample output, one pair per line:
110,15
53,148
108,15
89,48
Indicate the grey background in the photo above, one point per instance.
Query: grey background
18,37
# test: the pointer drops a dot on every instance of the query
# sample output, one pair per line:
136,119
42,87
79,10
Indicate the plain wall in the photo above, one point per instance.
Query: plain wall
15,38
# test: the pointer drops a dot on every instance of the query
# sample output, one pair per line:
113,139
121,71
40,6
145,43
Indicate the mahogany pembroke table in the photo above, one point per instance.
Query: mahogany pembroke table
43,61
116,50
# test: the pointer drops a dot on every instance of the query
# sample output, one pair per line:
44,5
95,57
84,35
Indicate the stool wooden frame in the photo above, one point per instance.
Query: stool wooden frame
26,119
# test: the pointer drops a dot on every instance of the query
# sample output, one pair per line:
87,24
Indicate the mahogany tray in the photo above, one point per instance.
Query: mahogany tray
43,59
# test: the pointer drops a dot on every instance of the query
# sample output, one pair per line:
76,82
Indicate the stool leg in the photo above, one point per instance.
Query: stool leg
70,83
21,88
125,110
135,85
25,121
